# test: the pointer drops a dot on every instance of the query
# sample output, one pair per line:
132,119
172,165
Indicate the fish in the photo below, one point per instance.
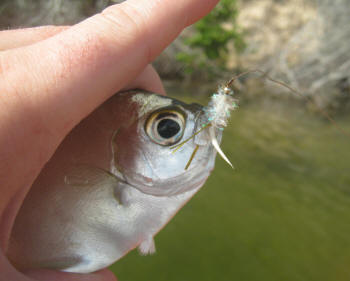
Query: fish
114,183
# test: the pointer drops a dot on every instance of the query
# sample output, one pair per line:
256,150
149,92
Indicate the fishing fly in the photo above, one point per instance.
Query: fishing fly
218,112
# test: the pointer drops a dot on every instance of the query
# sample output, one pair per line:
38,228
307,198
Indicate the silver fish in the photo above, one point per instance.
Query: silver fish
113,184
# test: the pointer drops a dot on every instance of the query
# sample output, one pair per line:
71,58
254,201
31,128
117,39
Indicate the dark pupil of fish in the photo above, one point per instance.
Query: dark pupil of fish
167,128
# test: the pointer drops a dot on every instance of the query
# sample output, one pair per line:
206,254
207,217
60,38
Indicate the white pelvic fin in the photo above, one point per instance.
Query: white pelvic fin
147,246
216,145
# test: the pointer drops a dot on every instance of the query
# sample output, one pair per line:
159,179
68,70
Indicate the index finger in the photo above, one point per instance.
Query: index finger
10,39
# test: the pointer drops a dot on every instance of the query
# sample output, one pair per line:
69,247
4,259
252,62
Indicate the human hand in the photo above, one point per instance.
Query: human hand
53,77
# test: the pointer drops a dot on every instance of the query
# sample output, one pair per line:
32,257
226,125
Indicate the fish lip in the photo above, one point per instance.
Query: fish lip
192,179
159,192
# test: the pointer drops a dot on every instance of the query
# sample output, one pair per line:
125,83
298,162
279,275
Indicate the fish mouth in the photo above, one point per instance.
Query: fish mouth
191,179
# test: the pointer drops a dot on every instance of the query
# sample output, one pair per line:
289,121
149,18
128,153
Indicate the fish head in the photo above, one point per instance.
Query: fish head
144,147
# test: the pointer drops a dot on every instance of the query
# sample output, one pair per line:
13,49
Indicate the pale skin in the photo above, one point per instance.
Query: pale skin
52,77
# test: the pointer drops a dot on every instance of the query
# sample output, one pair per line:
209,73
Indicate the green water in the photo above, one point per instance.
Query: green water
282,214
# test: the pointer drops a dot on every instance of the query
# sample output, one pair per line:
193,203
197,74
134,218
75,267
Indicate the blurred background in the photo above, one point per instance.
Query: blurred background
283,213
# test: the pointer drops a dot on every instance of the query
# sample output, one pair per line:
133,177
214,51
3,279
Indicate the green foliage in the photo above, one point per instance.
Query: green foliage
212,35
188,60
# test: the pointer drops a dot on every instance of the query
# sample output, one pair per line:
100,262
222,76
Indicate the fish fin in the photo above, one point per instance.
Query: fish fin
215,143
147,246
94,178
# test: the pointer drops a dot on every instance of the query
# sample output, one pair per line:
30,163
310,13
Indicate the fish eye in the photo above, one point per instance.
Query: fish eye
165,127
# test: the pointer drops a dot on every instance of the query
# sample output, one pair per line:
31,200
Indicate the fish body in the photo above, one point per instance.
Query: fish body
112,184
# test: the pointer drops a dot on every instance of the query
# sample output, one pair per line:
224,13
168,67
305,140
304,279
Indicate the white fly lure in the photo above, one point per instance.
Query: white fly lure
218,112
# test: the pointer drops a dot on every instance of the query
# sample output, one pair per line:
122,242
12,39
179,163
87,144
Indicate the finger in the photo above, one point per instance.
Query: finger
10,39
148,80
100,55
8,272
